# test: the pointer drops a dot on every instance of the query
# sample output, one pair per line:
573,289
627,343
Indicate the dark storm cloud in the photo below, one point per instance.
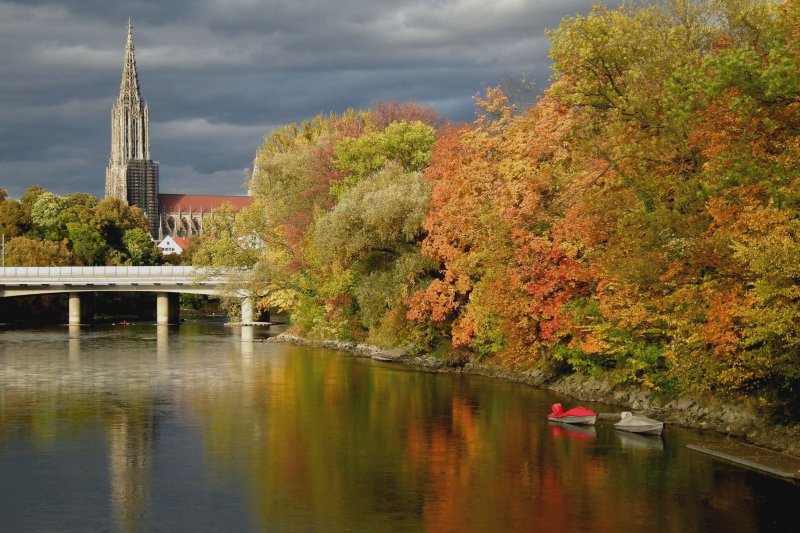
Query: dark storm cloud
219,74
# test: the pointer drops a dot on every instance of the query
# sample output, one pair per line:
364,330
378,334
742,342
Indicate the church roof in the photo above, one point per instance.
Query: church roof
196,203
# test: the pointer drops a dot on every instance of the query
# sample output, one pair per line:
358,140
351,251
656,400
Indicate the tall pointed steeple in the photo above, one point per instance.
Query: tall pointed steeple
130,117
131,175
129,86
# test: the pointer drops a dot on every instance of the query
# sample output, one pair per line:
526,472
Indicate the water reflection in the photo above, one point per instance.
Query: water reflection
130,435
74,347
585,434
277,437
162,344
640,442
247,342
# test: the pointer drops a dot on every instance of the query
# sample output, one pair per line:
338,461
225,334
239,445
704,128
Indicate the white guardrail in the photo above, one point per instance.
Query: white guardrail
109,274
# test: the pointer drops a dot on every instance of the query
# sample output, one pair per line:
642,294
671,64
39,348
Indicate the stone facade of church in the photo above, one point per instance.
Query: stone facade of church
132,176
182,215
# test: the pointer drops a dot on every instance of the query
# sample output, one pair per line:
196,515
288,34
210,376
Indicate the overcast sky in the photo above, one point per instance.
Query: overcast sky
220,74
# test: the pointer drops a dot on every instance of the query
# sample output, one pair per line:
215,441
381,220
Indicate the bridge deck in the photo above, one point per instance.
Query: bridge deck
19,281
109,273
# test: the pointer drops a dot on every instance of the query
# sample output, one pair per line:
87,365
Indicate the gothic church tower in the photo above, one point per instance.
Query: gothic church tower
131,175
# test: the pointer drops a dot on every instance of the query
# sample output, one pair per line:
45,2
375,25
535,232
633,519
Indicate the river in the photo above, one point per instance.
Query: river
145,428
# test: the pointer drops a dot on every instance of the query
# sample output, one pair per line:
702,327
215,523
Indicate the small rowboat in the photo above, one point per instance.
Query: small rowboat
639,424
576,415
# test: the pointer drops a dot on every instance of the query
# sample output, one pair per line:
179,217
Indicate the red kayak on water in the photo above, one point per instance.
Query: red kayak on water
576,415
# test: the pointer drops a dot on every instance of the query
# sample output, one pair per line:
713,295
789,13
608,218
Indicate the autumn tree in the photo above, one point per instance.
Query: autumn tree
22,251
30,196
14,220
303,176
388,111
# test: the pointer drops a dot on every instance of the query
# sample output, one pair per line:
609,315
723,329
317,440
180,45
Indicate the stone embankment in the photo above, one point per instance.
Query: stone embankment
737,421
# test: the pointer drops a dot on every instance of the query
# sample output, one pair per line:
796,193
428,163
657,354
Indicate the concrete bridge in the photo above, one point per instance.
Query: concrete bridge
166,281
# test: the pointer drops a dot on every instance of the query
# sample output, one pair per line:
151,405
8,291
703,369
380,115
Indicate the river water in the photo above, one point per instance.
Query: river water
147,428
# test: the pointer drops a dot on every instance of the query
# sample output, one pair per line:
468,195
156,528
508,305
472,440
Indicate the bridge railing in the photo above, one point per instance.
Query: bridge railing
103,273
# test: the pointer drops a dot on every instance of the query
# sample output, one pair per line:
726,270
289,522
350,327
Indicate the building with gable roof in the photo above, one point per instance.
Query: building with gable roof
176,246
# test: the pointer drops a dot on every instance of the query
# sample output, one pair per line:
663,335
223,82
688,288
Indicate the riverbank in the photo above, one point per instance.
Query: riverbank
701,413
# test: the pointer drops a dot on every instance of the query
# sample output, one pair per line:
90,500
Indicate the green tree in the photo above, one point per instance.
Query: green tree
370,244
47,216
79,207
408,144
223,245
379,216
222,223
87,243
140,247
221,253
113,218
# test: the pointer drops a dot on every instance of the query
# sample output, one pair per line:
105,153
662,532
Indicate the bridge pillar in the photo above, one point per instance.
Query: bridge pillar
247,311
167,308
74,309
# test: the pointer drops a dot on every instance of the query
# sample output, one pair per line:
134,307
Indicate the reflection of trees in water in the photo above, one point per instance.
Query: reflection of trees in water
330,441
130,432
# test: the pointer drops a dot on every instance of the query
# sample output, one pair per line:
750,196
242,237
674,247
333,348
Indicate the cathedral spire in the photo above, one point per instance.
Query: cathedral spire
131,175
129,85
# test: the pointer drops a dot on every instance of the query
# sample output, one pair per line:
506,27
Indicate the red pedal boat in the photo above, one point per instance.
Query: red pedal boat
576,415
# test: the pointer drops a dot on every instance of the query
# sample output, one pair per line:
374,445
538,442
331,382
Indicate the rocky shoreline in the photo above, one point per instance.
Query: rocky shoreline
736,421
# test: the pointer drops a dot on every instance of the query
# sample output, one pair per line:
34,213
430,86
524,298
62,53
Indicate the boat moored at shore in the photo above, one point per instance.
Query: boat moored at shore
639,424
576,415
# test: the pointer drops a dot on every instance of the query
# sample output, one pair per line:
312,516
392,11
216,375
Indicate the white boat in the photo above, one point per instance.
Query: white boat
639,424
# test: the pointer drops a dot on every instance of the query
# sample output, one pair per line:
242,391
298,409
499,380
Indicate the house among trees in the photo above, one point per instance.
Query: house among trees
173,245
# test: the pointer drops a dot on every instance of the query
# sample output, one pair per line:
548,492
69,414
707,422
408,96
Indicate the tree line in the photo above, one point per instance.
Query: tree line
638,219
44,229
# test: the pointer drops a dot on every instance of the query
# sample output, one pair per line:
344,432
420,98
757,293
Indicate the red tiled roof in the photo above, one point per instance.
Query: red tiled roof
183,242
196,203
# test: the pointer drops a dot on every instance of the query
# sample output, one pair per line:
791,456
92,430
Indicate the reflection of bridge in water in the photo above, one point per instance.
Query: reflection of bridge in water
168,282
